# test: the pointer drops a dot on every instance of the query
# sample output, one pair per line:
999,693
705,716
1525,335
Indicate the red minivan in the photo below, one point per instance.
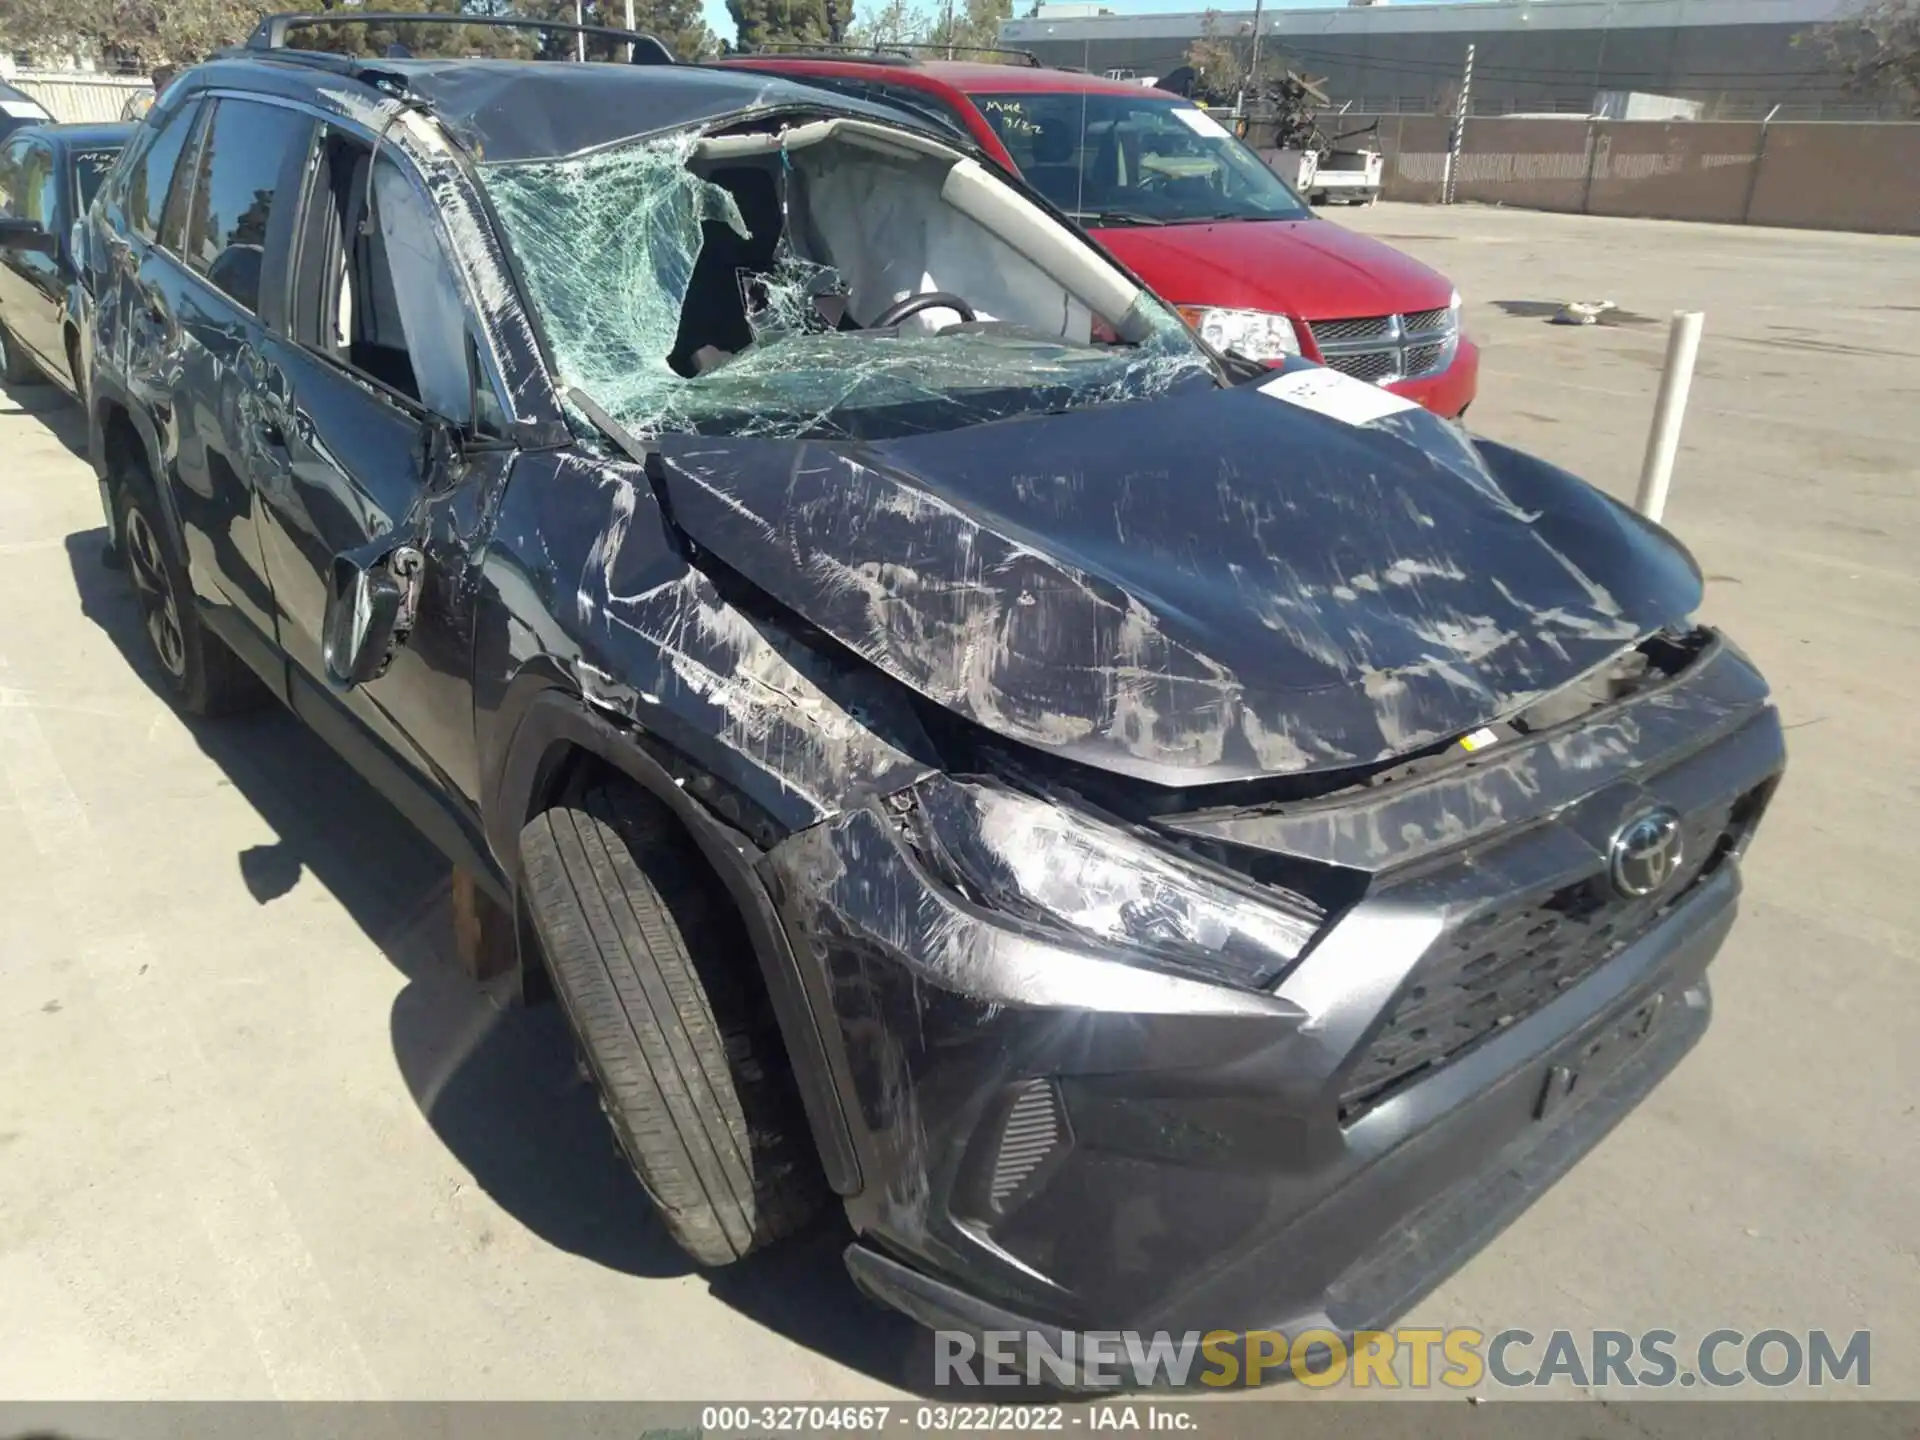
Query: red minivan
1193,212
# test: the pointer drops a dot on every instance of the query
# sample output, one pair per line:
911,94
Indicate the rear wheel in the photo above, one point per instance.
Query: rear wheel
653,966
201,674
15,367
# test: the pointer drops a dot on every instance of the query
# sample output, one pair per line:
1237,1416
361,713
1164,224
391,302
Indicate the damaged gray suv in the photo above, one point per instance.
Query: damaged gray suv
1165,843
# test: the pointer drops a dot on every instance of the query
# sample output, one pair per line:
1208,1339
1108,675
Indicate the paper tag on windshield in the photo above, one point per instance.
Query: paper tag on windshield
1199,121
23,110
1338,397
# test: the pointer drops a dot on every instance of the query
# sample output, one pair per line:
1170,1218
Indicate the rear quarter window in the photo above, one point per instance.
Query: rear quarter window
153,167
236,190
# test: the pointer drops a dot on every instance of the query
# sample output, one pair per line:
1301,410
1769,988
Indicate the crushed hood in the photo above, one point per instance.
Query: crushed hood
1202,587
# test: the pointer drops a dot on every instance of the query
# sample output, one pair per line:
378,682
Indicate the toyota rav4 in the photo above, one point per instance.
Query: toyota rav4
1166,842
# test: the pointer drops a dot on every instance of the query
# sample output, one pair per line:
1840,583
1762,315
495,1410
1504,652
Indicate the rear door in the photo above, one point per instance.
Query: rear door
207,303
374,374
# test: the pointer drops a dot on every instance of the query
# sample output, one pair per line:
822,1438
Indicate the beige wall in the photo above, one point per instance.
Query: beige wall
78,99
1841,176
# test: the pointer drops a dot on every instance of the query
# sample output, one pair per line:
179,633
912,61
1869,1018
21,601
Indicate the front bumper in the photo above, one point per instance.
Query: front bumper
1050,1138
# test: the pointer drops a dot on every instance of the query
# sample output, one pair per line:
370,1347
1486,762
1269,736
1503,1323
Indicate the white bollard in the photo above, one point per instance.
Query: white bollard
1656,471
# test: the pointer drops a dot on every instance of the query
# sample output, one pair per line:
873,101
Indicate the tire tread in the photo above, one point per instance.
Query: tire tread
644,950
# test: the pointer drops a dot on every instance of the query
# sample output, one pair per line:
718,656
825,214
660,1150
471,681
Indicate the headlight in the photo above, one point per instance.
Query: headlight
1256,334
1057,868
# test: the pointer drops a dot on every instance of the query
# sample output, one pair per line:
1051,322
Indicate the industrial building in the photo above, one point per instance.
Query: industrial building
1739,57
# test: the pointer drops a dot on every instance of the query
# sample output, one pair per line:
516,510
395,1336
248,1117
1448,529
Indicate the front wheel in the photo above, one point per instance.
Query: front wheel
653,966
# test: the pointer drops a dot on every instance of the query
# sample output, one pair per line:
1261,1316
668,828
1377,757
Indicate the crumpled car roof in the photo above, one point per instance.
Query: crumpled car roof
508,110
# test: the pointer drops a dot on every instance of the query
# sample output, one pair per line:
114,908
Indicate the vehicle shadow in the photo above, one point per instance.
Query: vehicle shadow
501,1089
53,408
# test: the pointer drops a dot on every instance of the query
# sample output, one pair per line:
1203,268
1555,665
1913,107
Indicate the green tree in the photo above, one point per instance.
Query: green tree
894,23
1878,50
149,33
146,33
758,23
677,24
970,28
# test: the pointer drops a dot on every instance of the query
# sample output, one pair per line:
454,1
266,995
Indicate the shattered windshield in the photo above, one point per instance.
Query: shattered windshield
742,295
1136,159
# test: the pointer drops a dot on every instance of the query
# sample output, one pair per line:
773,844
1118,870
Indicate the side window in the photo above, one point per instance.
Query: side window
374,287
173,215
234,187
38,199
151,173
10,159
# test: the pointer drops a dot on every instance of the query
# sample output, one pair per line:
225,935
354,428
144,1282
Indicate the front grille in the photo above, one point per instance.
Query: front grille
1425,359
1333,332
1509,960
1383,348
1370,365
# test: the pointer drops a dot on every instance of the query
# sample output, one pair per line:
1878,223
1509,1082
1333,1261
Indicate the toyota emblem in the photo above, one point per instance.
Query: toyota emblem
1645,852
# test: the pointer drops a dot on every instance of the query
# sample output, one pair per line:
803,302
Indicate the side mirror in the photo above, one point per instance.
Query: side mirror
369,614
25,235
77,245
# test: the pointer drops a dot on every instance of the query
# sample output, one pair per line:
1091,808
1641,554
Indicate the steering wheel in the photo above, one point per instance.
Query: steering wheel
914,304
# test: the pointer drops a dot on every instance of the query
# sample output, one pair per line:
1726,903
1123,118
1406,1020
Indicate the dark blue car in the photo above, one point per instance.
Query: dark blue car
48,177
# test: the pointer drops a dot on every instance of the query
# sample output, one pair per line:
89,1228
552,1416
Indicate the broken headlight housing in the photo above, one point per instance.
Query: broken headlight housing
1087,878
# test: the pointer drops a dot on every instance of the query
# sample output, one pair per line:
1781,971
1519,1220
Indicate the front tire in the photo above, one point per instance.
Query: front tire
202,676
654,969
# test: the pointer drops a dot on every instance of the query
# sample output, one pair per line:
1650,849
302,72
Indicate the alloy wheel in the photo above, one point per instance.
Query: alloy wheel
159,607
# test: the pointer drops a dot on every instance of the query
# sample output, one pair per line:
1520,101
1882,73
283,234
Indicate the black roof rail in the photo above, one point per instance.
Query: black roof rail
826,50
1025,57
271,33
895,53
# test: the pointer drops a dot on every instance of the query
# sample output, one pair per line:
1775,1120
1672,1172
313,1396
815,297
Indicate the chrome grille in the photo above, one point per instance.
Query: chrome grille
1506,962
1426,359
1377,366
1332,332
1383,348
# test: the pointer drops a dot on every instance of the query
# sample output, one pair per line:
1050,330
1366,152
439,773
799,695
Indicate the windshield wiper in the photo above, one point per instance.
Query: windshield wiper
1220,216
1116,217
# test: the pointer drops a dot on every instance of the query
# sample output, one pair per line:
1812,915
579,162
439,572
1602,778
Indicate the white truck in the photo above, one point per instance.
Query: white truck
1345,177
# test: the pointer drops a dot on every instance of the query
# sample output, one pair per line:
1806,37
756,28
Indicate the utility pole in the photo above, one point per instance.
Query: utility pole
1253,70
949,29
579,36
1458,138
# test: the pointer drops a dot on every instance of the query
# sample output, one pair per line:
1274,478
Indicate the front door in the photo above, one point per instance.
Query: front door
369,390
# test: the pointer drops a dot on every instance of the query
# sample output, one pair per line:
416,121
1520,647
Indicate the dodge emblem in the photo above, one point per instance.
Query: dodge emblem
1645,852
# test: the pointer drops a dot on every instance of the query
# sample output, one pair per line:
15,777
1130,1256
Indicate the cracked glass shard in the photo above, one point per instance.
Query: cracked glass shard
738,297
